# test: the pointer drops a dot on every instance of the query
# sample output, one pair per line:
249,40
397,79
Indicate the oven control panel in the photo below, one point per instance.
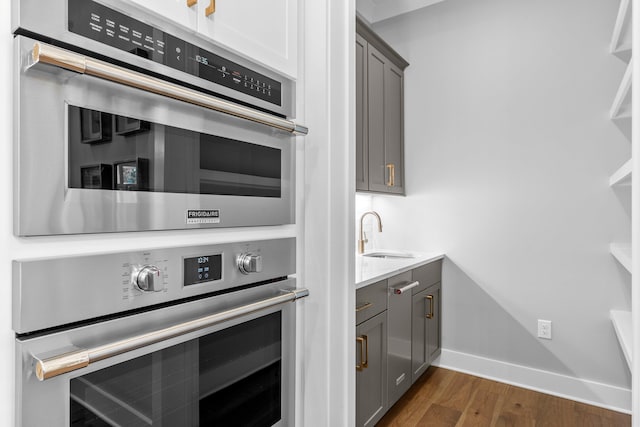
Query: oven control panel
105,25
202,269
57,291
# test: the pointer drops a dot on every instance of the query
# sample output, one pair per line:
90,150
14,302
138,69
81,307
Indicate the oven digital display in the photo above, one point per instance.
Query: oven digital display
205,268
105,25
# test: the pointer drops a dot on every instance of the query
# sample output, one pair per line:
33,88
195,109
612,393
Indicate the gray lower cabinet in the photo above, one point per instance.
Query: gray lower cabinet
399,337
425,317
371,370
371,353
425,330
398,330
379,114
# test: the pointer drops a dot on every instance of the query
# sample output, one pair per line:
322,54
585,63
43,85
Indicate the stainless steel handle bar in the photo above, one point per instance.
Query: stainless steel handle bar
57,365
43,53
403,289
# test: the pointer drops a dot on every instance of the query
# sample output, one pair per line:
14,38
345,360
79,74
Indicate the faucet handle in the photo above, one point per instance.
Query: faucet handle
364,239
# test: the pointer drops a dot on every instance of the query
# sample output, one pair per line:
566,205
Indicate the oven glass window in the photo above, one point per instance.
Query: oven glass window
111,152
228,378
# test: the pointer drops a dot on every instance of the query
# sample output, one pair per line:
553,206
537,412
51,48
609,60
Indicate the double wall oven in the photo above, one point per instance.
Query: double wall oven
126,122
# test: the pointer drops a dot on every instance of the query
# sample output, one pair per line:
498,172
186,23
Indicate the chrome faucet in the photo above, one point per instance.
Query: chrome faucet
362,239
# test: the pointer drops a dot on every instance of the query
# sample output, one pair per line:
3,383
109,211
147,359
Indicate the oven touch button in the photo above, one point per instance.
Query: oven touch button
148,279
249,263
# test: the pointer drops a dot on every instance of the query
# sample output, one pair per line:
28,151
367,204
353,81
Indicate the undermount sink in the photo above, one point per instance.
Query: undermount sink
388,254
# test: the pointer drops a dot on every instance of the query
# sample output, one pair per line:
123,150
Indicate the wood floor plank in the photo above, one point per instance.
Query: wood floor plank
509,419
520,402
586,419
440,416
412,406
554,411
481,408
459,392
447,398
607,417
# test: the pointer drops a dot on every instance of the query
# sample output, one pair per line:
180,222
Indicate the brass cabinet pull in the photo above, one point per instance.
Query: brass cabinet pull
211,9
430,314
360,366
191,3
392,175
364,306
364,352
365,364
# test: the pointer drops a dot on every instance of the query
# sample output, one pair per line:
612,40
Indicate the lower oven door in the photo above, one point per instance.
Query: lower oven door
238,371
97,156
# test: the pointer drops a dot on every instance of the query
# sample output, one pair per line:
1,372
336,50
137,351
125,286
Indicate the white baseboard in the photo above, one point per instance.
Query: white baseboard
585,391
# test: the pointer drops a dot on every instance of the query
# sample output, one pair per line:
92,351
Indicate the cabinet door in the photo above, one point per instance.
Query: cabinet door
394,128
425,330
265,31
371,370
362,152
434,323
385,85
376,63
399,336
175,10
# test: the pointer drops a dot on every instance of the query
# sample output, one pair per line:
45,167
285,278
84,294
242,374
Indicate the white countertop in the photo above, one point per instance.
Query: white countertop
370,269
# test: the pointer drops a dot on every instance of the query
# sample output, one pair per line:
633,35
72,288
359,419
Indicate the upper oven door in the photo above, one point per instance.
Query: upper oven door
96,156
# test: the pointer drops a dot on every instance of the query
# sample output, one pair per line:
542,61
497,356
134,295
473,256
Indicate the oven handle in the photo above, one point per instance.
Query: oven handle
57,365
52,55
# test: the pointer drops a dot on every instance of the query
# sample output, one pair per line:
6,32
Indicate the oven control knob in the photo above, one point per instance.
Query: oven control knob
249,263
148,279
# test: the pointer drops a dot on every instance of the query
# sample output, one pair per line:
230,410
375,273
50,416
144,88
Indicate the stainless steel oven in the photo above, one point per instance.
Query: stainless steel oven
168,337
127,122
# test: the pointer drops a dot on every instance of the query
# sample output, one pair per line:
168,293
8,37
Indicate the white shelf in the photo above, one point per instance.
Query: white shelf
621,40
622,176
621,107
622,253
624,330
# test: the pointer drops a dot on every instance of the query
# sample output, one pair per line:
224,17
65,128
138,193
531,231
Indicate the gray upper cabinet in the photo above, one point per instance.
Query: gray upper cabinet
379,114
362,134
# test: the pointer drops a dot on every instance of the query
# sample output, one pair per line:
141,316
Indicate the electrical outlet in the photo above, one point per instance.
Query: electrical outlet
544,329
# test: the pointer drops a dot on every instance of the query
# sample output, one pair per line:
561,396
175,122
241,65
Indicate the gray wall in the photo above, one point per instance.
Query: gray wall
508,154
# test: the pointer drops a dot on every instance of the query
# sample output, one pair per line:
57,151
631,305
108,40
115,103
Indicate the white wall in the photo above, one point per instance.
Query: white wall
508,154
6,335
328,377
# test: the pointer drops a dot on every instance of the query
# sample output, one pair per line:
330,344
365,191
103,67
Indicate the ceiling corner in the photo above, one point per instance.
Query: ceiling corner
379,10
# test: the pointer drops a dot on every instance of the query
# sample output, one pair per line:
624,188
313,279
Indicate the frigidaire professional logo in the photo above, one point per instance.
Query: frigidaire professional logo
203,216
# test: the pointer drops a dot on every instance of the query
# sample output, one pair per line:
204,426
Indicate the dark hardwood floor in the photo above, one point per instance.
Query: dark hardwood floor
447,398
